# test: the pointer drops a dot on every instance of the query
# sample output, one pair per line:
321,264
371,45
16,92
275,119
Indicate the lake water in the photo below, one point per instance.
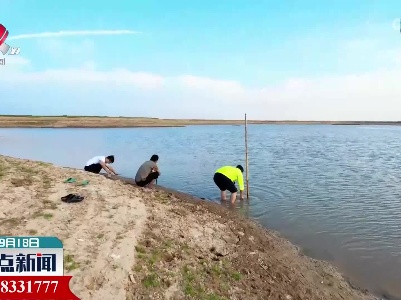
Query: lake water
333,190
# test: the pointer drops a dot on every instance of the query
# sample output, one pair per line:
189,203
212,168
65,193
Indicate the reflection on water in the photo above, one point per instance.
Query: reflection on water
333,190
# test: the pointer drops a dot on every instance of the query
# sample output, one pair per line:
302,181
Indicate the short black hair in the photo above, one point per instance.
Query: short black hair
110,158
154,158
241,168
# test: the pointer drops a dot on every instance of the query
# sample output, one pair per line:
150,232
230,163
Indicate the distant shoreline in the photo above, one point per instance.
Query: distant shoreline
25,121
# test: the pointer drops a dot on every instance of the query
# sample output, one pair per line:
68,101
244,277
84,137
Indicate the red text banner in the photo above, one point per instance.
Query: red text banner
36,287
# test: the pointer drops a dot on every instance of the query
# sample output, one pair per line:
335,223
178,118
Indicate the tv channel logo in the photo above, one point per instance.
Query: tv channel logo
4,48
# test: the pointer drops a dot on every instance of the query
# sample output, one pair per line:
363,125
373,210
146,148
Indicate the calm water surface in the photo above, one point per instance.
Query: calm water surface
333,190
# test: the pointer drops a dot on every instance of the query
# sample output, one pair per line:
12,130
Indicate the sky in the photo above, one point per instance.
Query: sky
274,60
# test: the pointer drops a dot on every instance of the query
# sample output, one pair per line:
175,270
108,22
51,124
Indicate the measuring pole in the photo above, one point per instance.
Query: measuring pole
246,158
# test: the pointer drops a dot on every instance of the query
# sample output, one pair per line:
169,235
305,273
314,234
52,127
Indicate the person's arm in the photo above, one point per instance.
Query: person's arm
111,169
156,168
241,184
105,167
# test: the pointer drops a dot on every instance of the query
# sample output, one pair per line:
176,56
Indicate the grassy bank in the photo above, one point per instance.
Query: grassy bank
123,242
127,122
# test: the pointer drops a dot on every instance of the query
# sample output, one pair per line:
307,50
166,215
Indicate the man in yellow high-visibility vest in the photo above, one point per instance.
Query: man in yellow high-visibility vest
225,179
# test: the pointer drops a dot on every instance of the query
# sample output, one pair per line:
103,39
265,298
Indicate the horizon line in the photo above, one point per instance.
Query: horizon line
194,119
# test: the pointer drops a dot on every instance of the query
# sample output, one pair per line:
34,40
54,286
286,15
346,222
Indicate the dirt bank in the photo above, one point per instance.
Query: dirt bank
131,122
123,242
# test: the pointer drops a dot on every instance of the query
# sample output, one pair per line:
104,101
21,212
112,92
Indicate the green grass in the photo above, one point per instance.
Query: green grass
151,281
216,270
197,279
236,276
47,216
191,284
140,249
217,273
69,263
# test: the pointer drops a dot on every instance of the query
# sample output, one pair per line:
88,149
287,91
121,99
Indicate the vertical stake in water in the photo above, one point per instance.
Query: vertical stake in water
246,158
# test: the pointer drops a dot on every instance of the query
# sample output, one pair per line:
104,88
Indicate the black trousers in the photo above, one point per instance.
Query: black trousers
93,168
224,183
152,176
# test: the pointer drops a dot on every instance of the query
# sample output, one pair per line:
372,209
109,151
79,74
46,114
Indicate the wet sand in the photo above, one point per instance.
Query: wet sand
125,242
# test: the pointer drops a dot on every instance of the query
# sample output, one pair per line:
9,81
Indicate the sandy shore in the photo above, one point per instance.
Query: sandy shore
131,122
123,242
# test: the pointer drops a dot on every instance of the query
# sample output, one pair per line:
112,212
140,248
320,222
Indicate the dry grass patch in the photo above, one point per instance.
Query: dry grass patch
2,169
46,182
69,263
11,222
41,214
32,232
49,204
18,182
24,168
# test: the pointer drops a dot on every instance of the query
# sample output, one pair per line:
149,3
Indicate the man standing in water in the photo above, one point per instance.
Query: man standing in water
225,178
148,172
97,163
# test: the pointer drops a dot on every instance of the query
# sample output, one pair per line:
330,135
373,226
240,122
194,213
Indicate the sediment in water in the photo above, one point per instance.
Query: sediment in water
124,242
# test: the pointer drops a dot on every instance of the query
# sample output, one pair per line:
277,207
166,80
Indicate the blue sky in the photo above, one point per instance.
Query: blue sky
205,59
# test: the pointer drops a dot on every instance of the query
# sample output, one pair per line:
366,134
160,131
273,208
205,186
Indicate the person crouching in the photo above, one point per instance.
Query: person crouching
148,172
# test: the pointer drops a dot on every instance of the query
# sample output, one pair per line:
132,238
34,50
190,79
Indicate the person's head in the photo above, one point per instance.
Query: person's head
154,158
241,168
109,159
